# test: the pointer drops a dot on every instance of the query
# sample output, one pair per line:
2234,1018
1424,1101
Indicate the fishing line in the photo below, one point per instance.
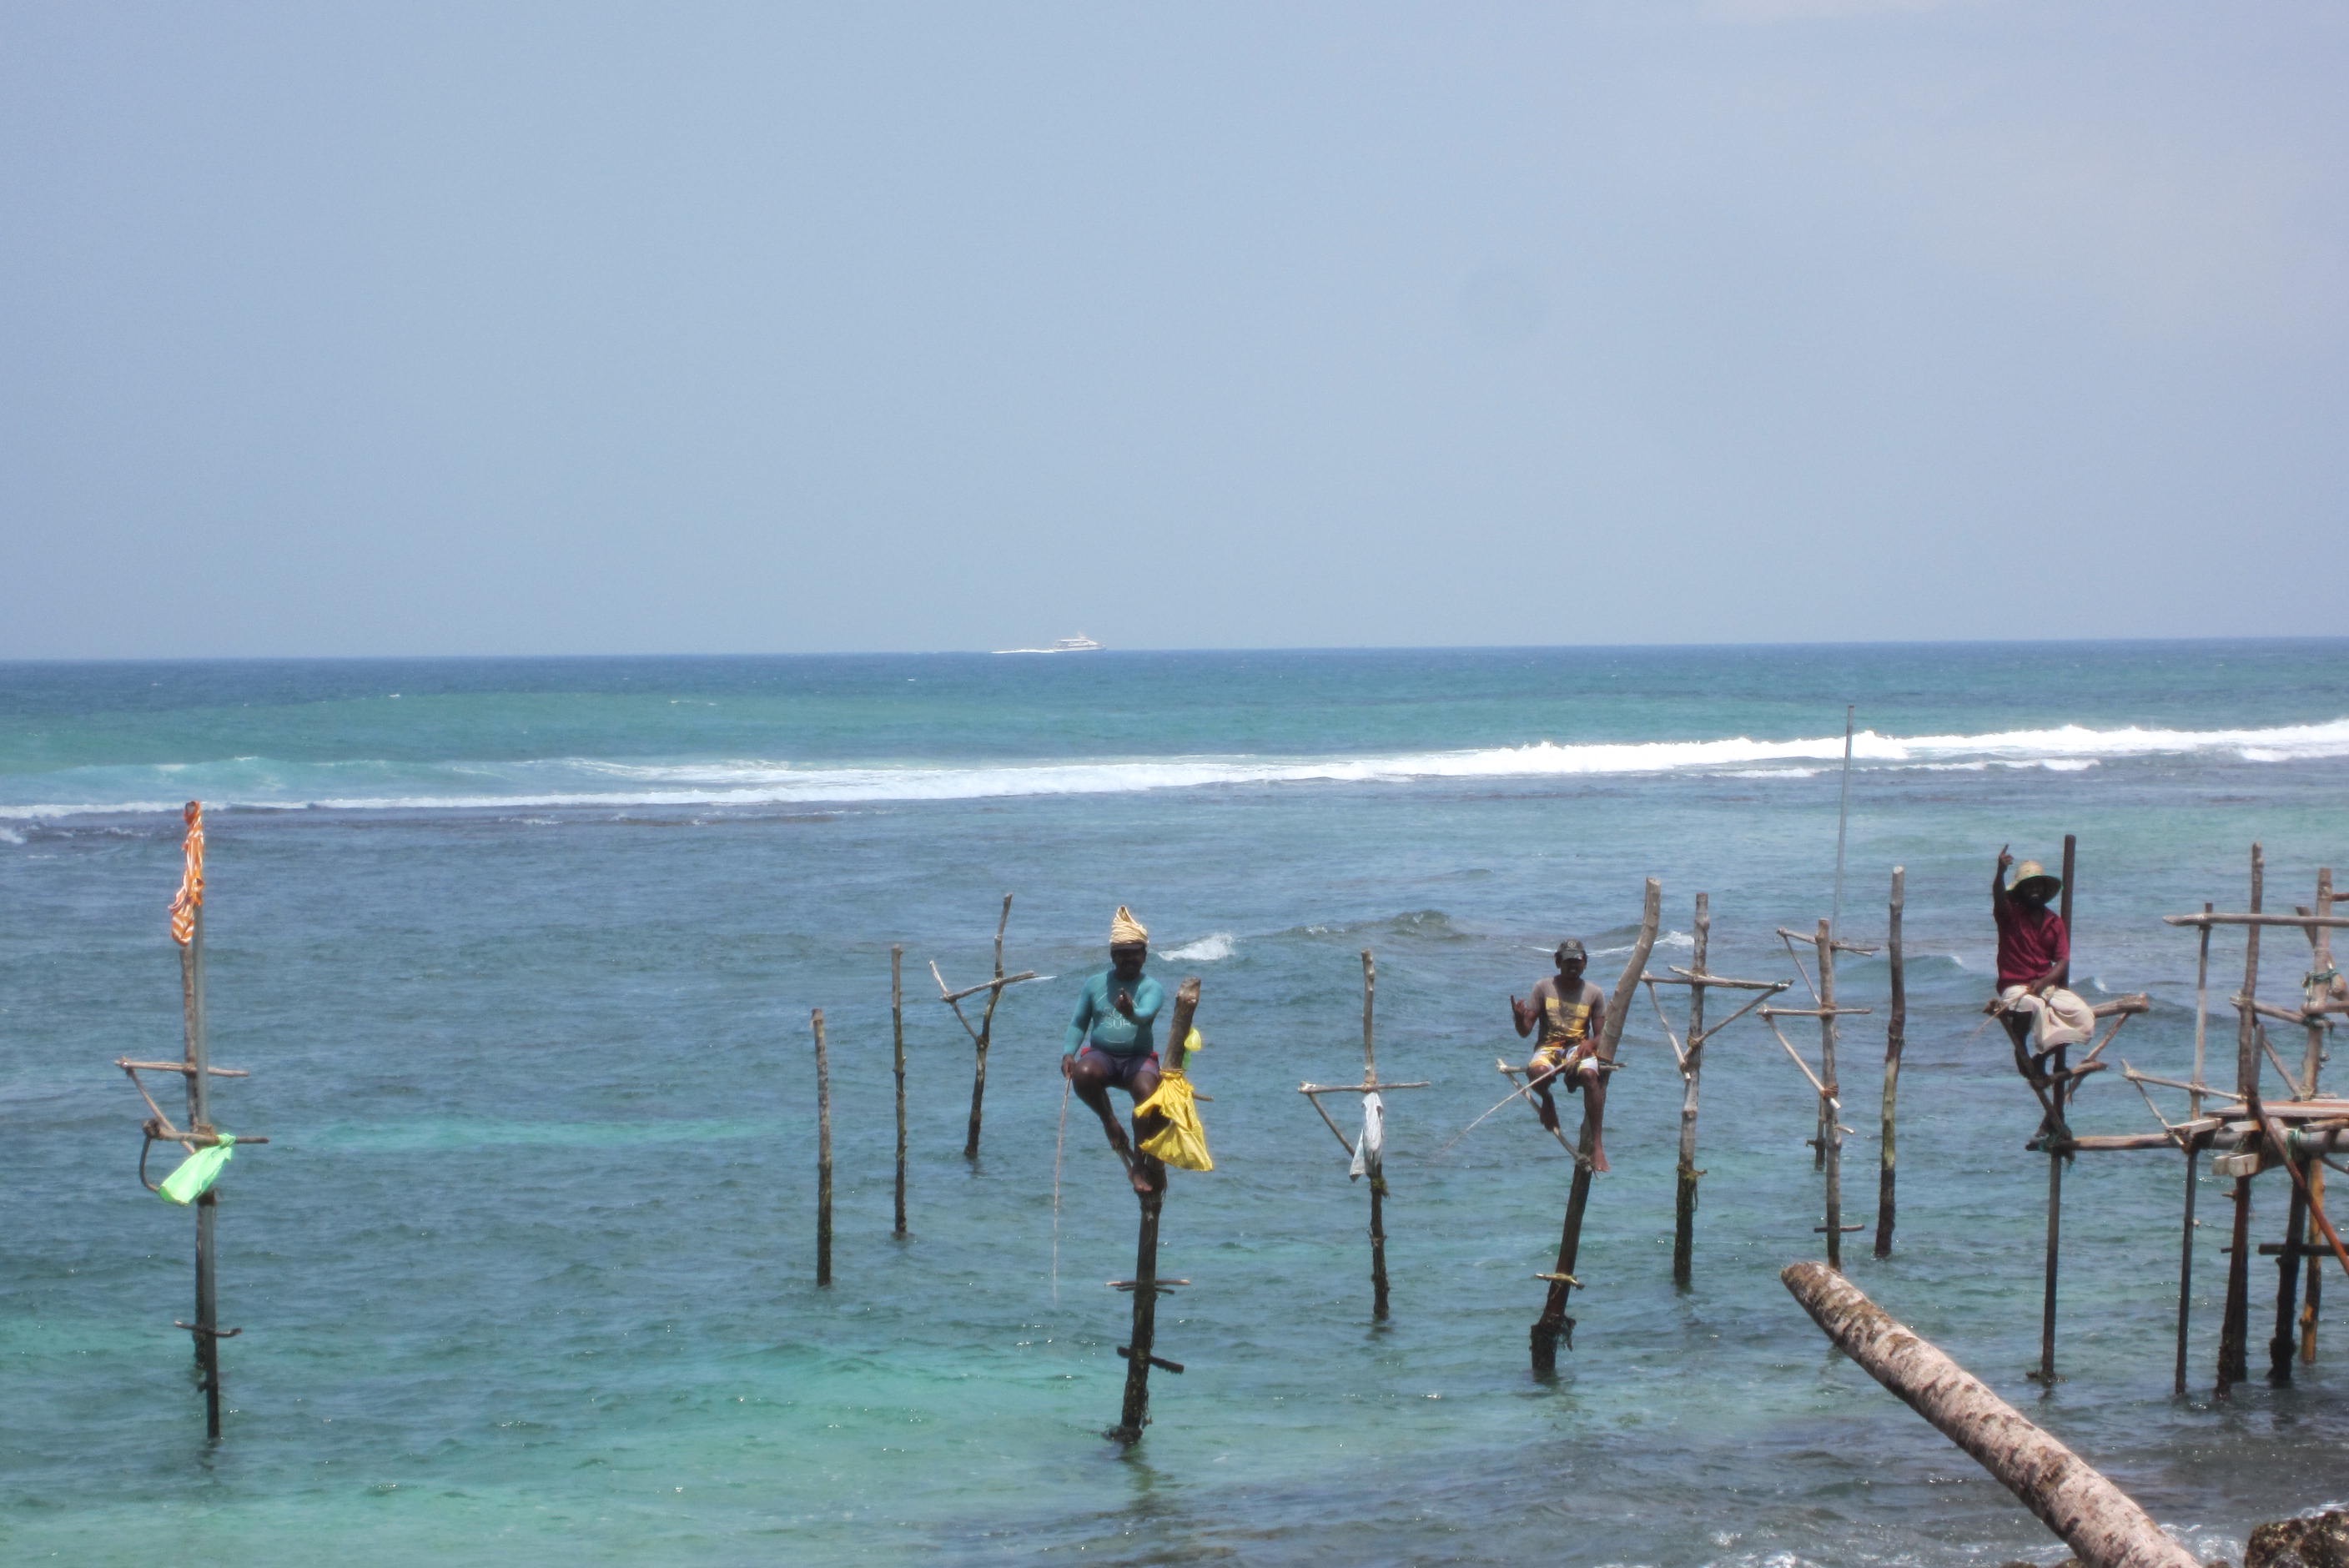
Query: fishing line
1058,1144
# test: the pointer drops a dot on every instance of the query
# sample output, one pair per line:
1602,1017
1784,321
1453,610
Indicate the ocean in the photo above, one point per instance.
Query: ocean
521,954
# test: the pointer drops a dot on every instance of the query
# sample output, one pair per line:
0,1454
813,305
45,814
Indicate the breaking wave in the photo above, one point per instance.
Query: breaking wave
1209,949
589,782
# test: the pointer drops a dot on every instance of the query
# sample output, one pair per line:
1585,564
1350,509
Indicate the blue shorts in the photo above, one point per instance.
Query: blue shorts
1119,1069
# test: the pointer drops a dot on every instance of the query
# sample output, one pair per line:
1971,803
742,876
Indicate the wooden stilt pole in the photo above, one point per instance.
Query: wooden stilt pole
1378,1177
1135,1414
2320,958
2046,1375
1554,1324
2058,1092
1685,1198
200,1120
1896,1030
2321,951
2285,1343
2312,1305
823,1156
898,1055
2234,1330
1370,1163
2063,906
982,1034
986,1034
2186,1268
2193,1154
1830,1123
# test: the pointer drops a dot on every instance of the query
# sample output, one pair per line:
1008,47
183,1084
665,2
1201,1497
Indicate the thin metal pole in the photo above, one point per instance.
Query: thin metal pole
1843,818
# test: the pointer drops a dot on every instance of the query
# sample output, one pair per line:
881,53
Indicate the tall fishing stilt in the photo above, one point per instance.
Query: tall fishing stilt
1135,1414
2058,1088
1554,1324
2193,1153
1828,1143
985,1036
1830,1123
2285,1344
209,1149
2234,1331
1686,1174
1691,1057
2320,967
205,1330
2045,1374
1896,1030
1368,1151
982,1034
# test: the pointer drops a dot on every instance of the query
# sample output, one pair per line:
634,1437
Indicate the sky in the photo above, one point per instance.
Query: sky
429,328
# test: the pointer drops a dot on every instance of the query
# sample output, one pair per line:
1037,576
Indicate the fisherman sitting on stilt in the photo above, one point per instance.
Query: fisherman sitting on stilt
2035,951
1110,1041
1568,1009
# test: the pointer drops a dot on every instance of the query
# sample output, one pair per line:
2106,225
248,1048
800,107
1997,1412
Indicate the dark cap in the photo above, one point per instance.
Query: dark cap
1571,948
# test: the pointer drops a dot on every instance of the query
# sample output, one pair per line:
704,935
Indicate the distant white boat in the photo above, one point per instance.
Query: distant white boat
1080,644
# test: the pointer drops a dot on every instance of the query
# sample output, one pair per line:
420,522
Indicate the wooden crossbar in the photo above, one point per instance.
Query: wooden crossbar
2305,922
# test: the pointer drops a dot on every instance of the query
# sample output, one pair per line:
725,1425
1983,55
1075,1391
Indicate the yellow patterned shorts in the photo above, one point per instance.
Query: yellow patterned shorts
1563,1056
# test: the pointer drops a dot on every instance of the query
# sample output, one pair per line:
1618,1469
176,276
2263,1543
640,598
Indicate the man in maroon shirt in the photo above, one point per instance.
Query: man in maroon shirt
2034,957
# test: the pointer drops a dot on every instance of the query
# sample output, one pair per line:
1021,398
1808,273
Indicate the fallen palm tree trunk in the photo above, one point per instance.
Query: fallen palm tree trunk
2097,1519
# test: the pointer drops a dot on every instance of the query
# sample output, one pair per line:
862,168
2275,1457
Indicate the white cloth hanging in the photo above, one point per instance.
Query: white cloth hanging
1373,1144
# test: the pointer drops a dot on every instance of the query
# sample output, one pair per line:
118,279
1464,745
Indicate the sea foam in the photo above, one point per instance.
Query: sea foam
592,782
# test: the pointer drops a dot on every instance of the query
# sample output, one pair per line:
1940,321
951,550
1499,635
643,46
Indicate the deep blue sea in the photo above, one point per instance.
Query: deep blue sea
521,954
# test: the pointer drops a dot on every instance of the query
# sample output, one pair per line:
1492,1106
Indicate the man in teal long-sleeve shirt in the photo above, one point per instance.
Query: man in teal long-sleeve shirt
1111,1039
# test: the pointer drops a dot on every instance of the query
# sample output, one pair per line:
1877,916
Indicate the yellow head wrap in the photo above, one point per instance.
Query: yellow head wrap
1124,928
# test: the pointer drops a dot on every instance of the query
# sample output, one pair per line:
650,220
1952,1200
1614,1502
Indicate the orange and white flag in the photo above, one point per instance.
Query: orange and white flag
190,897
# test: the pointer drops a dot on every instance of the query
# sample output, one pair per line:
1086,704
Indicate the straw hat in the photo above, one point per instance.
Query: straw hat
2027,871
1123,929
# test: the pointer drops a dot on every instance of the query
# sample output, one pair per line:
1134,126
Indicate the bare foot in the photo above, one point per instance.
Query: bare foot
1597,1155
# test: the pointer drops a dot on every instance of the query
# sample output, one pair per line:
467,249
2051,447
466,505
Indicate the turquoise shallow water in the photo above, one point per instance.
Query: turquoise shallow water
521,959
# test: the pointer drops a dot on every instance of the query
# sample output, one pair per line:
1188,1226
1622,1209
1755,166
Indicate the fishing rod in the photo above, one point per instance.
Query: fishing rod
1523,1090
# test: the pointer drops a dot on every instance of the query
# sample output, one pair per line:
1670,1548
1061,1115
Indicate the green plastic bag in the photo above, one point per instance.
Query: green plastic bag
198,1172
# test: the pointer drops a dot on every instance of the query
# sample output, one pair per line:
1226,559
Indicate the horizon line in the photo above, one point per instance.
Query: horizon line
1856,643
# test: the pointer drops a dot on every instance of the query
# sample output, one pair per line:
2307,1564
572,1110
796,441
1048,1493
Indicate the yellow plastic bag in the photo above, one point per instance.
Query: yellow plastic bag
1181,1142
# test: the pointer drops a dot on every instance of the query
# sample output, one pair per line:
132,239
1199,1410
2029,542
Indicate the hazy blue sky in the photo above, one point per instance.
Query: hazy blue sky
416,328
